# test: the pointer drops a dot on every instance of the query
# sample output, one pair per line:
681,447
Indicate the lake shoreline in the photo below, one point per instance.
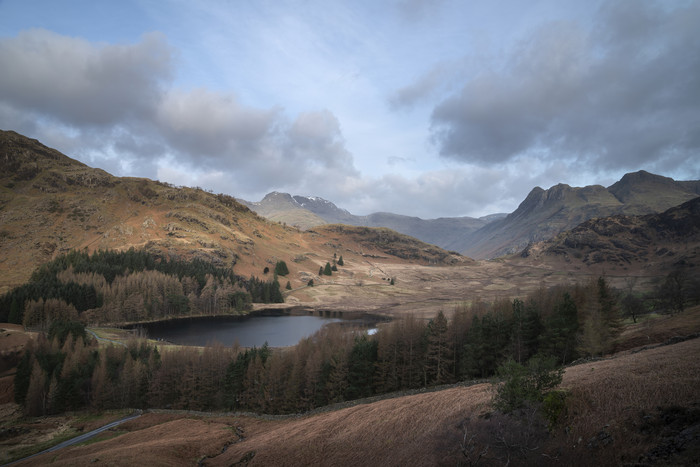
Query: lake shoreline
276,327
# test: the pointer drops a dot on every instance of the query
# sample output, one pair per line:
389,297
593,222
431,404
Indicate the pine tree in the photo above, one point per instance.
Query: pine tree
560,336
23,374
439,356
519,351
609,308
340,261
15,315
361,367
327,270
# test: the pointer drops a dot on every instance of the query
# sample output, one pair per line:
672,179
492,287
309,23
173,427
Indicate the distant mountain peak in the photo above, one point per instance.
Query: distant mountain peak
641,177
320,206
545,213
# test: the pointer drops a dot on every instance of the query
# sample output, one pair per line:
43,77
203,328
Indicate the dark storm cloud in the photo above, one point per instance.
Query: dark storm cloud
624,93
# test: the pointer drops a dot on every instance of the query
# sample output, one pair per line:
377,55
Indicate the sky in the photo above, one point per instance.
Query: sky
428,108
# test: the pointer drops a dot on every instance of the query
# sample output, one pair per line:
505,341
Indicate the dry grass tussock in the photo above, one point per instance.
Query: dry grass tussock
613,395
421,429
153,440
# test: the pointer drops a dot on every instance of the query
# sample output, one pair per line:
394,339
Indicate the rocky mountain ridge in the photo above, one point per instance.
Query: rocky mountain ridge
671,237
307,212
545,213
542,214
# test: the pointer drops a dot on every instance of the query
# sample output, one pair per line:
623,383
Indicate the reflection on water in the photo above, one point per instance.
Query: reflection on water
277,331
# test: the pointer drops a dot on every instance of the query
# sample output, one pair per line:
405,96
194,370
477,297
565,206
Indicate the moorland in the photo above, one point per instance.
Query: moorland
611,299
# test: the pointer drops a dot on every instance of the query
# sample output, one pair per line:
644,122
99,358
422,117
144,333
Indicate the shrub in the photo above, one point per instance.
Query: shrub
523,384
281,268
553,407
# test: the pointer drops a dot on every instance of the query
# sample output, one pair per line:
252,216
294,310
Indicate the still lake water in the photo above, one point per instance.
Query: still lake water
249,331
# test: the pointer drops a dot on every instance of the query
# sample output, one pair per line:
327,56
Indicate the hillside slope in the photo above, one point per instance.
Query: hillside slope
633,407
546,213
50,204
671,238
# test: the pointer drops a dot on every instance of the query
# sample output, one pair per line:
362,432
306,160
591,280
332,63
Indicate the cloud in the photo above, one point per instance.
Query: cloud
315,138
399,161
424,88
80,83
471,190
414,10
115,107
212,124
624,93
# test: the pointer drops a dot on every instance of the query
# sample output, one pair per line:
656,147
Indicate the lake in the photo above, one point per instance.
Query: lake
278,329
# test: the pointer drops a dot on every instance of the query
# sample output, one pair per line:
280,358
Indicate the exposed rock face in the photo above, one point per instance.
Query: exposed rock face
545,213
673,234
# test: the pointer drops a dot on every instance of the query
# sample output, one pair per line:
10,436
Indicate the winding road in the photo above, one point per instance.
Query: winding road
83,437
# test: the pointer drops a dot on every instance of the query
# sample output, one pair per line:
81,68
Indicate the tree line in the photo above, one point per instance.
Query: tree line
65,370
127,286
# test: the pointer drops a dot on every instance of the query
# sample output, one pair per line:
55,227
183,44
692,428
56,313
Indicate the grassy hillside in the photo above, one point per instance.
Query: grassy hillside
50,204
637,406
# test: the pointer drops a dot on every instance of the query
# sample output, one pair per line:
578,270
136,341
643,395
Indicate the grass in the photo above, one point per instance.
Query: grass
104,436
612,394
26,451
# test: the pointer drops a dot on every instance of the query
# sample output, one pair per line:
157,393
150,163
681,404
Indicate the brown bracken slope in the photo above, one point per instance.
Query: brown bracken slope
640,405
50,204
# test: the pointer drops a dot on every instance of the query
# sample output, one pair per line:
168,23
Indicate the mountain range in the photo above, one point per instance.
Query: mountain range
649,239
50,203
541,216
308,211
